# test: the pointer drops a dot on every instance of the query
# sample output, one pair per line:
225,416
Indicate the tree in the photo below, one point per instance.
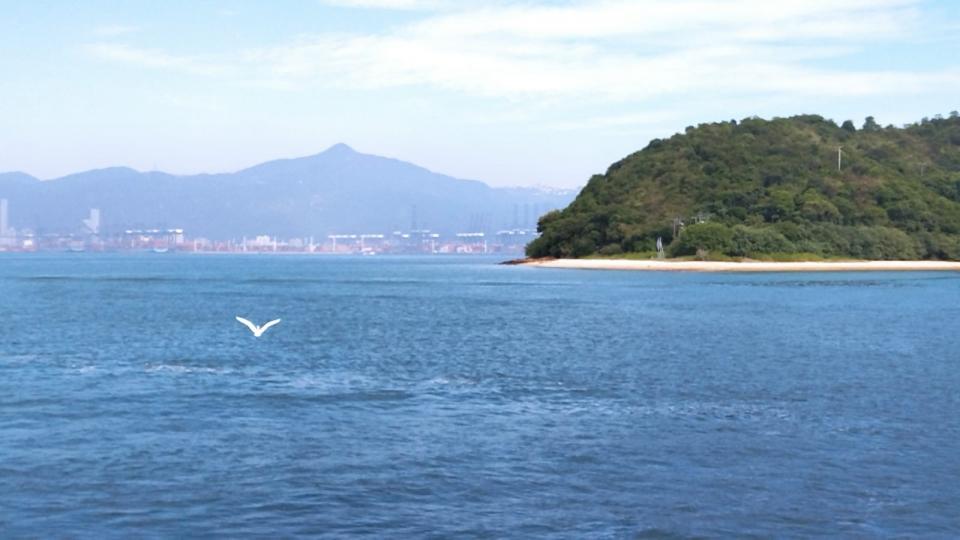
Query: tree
848,126
749,241
714,237
870,124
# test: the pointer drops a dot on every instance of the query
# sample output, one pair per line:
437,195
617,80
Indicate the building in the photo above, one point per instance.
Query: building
153,238
471,242
7,235
92,223
3,218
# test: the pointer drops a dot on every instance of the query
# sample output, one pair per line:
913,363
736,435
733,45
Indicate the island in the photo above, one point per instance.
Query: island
786,194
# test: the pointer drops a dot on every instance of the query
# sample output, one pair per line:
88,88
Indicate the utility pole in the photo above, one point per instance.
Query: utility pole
839,158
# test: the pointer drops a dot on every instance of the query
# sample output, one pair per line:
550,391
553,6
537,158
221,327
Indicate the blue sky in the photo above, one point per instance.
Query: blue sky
511,93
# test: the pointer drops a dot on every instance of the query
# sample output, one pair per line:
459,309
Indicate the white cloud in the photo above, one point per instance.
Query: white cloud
596,50
150,58
744,19
614,49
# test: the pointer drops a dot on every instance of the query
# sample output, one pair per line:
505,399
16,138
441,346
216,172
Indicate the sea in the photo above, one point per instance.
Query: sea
452,397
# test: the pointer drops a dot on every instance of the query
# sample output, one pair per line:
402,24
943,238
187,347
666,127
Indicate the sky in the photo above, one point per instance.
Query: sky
510,93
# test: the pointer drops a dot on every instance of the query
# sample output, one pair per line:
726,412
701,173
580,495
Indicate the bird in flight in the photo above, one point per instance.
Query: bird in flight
257,330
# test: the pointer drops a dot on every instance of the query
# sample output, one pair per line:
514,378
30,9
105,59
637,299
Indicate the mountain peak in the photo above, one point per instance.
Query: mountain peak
340,148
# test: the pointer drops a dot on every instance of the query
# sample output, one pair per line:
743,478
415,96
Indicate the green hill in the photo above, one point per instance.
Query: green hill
760,187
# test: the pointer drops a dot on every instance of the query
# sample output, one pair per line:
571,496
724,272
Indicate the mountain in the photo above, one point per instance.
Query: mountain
760,187
337,191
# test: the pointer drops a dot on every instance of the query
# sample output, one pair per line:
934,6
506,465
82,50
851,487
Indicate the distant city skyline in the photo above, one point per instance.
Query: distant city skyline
508,93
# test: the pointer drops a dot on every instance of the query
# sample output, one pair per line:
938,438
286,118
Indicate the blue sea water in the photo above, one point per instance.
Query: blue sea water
450,397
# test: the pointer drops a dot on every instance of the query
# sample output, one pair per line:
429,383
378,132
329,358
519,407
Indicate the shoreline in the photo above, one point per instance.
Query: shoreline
659,265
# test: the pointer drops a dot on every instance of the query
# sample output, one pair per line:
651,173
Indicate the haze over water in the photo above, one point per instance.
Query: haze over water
453,397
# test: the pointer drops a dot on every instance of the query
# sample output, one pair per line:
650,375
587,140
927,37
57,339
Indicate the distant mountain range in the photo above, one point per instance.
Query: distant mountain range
337,191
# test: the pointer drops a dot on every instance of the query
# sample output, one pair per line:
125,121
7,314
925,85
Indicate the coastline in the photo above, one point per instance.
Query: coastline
656,265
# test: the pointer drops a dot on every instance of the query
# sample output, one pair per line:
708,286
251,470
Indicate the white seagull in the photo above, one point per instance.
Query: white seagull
257,330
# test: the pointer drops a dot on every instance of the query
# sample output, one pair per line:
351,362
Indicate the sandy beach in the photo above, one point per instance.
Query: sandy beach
710,266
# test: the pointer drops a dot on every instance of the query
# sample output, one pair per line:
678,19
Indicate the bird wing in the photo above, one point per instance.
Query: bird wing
253,328
269,324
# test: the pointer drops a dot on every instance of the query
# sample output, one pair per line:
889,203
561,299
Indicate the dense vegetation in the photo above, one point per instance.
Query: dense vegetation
759,187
